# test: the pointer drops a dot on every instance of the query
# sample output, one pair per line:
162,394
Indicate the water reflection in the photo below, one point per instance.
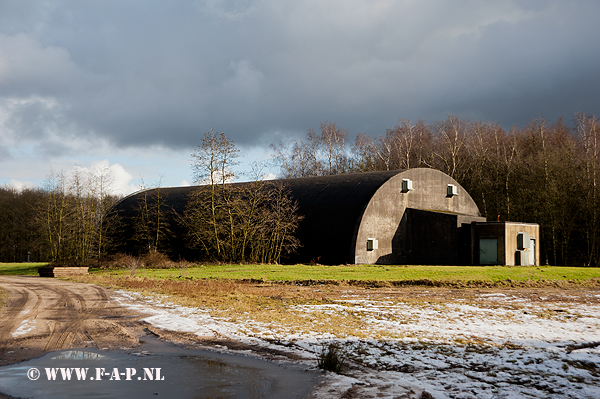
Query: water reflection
78,355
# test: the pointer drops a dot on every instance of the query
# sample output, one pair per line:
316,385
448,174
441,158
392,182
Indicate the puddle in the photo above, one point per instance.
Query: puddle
157,369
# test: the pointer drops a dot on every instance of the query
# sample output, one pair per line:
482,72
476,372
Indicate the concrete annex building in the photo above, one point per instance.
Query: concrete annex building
415,216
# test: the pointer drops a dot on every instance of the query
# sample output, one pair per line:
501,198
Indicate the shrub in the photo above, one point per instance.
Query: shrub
157,260
118,261
331,358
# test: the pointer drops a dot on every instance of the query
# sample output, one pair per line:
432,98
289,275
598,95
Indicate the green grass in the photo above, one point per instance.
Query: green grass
27,269
384,273
372,273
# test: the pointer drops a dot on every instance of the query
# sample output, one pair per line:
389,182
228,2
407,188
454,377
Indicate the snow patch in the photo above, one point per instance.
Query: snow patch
24,328
451,350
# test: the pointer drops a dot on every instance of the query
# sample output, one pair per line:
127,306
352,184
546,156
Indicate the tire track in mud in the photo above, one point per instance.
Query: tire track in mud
13,308
76,330
59,315
23,301
64,333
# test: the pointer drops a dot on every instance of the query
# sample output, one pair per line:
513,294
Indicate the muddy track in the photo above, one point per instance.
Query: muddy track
42,314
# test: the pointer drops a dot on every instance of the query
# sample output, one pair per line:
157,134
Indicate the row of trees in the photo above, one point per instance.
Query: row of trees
73,215
545,173
71,219
542,173
65,221
19,231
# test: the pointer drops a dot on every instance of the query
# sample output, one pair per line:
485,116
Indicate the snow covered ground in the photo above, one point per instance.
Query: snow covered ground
495,345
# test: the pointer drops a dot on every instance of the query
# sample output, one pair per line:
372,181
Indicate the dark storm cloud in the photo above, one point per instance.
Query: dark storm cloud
140,73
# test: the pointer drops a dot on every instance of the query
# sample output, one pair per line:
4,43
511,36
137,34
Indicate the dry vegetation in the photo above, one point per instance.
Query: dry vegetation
280,305
239,302
151,260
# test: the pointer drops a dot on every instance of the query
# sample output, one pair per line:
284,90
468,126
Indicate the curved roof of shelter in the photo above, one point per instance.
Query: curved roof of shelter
331,206
347,193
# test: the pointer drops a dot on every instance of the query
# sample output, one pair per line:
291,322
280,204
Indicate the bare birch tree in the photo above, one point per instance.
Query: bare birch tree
588,128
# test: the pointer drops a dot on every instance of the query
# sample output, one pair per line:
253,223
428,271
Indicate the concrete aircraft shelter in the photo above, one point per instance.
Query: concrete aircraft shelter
393,217
414,216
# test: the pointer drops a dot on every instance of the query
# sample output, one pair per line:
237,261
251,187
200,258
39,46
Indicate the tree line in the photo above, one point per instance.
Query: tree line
73,219
545,173
64,221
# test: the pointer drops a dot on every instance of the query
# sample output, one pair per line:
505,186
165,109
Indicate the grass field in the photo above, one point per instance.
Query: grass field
459,275
372,273
27,269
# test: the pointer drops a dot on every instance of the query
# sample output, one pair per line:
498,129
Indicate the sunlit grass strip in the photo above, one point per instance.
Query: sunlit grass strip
26,269
346,273
356,274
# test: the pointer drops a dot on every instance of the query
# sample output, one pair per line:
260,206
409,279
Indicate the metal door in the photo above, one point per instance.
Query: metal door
488,251
532,252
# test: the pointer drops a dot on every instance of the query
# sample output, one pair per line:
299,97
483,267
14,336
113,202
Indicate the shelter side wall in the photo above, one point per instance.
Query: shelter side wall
381,221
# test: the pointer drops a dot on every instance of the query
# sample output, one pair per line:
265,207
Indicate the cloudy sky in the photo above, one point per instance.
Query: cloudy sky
133,84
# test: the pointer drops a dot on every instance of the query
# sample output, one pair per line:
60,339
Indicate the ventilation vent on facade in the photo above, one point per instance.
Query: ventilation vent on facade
523,240
372,244
407,185
451,191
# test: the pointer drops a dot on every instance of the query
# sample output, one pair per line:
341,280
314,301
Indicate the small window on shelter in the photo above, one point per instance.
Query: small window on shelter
372,244
451,191
407,185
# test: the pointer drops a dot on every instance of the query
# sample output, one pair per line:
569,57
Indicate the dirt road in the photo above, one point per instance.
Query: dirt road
41,314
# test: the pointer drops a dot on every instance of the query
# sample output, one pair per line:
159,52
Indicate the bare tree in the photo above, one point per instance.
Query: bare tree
54,215
282,155
279,220
233,221
384,152
588,128
363,151
333,142
212,163
213,159
450,150
106,220
399,143
152,226
323,153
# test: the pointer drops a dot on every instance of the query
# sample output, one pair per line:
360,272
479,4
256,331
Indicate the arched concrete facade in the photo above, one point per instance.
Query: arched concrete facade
393,231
